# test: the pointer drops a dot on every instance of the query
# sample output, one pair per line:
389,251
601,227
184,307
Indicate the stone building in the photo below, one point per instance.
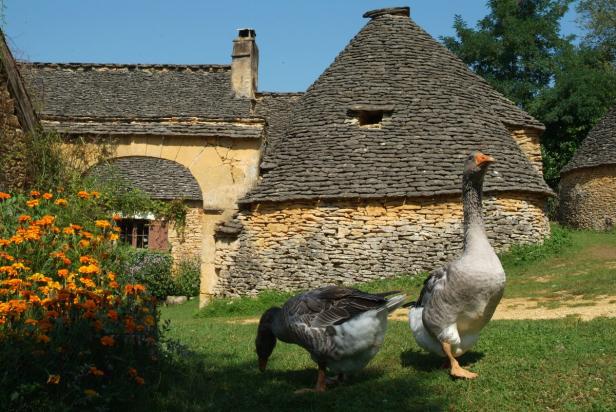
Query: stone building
355,179
588,181
365,181
16,119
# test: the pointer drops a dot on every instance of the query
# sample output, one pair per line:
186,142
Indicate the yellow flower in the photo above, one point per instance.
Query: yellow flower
90,393
61,202
113,236
32,203
95,194
104,224
53,379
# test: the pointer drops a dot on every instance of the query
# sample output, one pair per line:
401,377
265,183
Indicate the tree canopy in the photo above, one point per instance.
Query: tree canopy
519,49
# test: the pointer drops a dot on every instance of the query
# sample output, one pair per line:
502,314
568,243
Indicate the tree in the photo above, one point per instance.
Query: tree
514,46
519,50
598,18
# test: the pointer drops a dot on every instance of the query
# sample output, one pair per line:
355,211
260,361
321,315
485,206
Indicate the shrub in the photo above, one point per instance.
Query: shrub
559,240
74,333
188,277
152,269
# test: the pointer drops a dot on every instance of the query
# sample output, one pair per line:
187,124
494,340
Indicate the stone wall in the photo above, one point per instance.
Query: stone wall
12,141
306,244
187,242
588,198
530,143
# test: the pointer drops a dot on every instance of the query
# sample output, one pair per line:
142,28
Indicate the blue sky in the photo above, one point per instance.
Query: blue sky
297,39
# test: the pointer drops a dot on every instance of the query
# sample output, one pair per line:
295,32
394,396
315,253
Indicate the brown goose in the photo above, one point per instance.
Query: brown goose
459,299
342,328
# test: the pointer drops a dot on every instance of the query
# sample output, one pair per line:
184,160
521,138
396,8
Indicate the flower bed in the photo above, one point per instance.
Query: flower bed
73,331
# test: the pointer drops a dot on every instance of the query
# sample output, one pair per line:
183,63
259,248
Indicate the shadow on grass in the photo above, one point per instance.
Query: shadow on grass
195,382
427,362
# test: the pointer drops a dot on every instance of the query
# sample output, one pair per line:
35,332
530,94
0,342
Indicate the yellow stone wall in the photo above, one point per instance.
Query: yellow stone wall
530,143
588,198
299,245
187,242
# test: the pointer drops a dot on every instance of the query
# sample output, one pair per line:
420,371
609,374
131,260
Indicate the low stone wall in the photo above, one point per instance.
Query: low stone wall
588,198
187,244
308,244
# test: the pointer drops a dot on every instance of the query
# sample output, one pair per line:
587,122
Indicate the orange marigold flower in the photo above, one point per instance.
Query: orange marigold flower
35,193
139,380
139,288
4,196
116,217
133,372
83,194
32,203
149,320
89,304
23,218
61,202
68,231
45,339
87,282
31,322
104,224
129,289
63,273
53,379
113,236
96,372
111,276
95,195
89,269
45,220
113,284
84,243
76,227
6,256
87,234
107,341
87,259
47,196
112,314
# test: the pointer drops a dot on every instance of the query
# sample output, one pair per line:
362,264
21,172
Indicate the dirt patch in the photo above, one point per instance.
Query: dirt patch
531,309
525,309
602,252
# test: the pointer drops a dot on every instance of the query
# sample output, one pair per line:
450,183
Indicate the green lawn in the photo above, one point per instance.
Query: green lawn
564,365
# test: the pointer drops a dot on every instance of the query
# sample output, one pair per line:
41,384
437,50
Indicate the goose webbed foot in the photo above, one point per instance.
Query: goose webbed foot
456,370
319,387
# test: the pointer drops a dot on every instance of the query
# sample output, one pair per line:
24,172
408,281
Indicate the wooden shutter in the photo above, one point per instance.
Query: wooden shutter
158,235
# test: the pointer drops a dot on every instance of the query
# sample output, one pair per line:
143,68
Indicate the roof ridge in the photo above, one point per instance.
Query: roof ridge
133,66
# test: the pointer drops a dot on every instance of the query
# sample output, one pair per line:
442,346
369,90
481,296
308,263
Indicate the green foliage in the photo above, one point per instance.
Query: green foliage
519,50
152,269
187,280
598,17
71,325
557,242
513,47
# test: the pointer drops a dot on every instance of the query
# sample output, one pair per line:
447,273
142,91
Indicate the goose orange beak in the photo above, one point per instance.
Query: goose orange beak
481,159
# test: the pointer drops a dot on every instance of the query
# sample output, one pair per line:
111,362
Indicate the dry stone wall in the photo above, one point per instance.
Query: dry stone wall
298,245
588,198
12,142
187,243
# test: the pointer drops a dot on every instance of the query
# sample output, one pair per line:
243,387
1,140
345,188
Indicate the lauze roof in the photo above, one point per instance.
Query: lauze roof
434,112
599,147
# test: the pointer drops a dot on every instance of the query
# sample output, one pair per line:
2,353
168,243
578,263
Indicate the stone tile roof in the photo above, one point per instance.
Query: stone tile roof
169,127
276,108
159,178
435,111
129,91
599,147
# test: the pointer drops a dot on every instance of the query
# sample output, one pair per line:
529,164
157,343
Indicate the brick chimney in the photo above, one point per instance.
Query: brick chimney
245,64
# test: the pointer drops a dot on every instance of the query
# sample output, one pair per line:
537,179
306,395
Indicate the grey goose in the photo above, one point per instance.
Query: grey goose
342,328
459,299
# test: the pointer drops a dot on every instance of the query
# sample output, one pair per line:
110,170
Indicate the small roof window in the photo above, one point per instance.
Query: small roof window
369,116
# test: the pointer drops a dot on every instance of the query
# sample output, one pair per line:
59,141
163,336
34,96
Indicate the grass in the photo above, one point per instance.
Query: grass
565,365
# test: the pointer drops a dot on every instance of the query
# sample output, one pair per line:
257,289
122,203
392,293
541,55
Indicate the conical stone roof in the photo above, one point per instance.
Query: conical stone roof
599,147
435,111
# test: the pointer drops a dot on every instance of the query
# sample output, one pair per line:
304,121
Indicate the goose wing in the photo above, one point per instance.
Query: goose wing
434,281
311,316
